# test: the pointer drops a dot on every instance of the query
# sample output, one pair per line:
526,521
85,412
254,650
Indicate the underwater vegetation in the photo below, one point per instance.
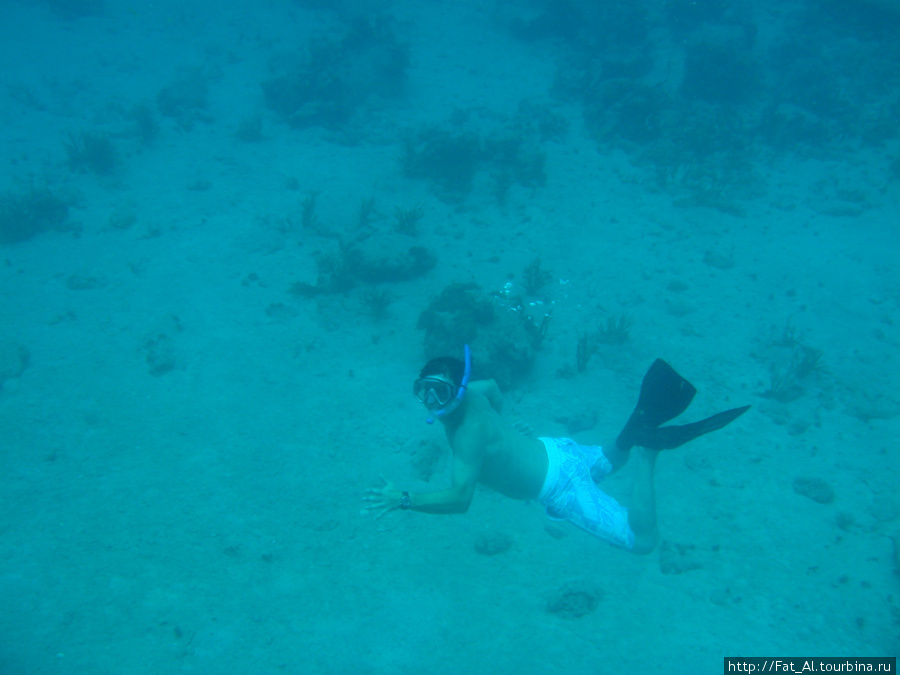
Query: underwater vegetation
787,379
506,337
454,318
894,169
91,151
406,220
585,348
14,359
308,218
451,156
446,157
388,257
698,150
185,100
574,600
535,277
76,9
25,214
161,355
793,365
146,126
371,260
593,26
375,303
370,251
334,275
720,73
825,81
335,78
250,129
614,331
366,213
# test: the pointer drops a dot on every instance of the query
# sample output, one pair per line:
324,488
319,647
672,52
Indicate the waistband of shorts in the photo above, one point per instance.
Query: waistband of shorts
554,461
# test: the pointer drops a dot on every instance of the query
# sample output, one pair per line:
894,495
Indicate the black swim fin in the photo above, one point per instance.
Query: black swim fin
664,396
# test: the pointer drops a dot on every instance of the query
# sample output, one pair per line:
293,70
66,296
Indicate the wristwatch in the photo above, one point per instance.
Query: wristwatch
405,501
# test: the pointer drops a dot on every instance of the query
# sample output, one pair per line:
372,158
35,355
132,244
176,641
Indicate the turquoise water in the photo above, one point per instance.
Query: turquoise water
224,232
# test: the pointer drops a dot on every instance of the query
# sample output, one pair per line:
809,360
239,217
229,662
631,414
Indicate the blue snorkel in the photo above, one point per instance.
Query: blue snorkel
454,403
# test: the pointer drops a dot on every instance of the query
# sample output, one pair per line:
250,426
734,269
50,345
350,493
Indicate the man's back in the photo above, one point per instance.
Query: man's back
508,462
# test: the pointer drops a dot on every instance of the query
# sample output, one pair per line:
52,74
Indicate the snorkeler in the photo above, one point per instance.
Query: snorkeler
560,473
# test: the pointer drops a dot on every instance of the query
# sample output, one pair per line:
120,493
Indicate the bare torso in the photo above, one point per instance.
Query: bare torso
510,463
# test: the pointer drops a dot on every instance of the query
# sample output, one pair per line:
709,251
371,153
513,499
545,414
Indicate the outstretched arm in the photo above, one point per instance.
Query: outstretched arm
455,499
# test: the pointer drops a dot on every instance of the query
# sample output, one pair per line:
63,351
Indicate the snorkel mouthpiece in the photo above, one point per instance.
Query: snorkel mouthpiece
454,402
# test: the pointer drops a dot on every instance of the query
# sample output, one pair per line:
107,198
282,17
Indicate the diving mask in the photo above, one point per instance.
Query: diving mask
434,391
440,395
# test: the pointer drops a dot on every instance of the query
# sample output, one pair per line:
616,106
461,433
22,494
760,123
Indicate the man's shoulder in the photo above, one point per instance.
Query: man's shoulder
486,388
489,390
482,387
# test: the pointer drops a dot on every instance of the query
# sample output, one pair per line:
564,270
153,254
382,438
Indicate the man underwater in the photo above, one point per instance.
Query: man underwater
560,473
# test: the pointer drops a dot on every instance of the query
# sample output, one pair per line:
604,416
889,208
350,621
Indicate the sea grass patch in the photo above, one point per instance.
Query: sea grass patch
575,599
493,543
13,360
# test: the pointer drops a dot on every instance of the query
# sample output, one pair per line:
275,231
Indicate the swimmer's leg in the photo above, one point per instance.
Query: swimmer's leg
611,461
642,509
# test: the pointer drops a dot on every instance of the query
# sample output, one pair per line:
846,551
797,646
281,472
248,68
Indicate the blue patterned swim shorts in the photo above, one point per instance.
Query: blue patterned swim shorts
569,492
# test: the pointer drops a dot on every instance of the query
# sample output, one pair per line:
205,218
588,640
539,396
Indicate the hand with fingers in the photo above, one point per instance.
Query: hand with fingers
382,499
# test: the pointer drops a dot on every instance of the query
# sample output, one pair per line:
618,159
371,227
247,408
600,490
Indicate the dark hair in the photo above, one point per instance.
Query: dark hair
445,365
